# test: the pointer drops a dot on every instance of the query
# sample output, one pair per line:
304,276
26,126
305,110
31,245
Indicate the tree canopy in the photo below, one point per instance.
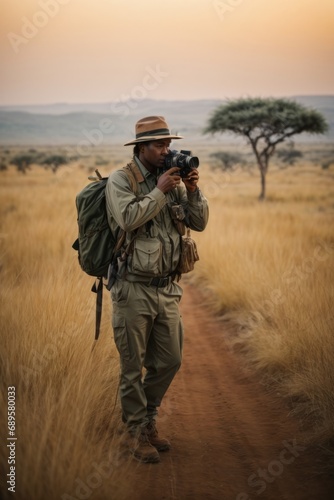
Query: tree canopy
265,123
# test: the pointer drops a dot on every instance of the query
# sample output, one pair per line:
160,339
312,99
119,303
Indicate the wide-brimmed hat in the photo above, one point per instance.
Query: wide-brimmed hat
152,128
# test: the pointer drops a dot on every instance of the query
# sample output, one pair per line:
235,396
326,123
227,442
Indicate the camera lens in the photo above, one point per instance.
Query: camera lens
192,161
185,162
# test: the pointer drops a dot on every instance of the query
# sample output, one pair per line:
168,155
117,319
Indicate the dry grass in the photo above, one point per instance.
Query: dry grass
66,422
267,269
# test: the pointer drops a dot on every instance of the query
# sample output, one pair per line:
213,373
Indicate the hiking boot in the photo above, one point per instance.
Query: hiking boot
161,444
141,448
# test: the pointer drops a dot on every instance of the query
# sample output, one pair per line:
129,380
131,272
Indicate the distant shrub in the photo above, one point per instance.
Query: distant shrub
326,164
101,161
289,155
54,161
226,159
23,161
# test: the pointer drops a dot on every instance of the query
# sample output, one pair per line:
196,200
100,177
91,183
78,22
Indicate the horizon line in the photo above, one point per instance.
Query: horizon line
78,103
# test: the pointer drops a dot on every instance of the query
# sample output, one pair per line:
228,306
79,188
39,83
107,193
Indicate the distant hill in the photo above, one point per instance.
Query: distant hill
113,123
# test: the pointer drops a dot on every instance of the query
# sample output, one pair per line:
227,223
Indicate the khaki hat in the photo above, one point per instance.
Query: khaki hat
152,128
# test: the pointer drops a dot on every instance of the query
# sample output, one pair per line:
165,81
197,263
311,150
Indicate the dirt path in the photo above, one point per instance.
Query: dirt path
231,439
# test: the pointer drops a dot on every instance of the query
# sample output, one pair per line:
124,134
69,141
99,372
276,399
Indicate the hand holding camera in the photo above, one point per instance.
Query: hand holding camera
191,180
183,160
188,166
169,180
177,166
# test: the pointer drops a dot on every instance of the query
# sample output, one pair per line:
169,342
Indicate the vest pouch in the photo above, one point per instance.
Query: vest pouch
147,257
178,216
189,254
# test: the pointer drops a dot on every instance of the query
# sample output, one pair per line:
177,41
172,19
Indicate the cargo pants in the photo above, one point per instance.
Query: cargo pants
148,334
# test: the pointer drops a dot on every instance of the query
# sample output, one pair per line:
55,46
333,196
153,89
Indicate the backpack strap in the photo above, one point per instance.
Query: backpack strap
135,176
98,289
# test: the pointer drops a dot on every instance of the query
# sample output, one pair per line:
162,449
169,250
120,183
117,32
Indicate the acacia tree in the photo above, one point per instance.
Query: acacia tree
265,123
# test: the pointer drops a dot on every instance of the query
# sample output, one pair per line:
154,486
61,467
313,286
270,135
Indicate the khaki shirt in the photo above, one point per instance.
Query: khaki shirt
146,217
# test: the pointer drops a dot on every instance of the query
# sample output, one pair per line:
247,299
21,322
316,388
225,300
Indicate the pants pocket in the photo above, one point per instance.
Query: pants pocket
120,336
120,291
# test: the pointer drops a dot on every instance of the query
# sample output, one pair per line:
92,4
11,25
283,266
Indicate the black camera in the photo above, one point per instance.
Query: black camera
183,160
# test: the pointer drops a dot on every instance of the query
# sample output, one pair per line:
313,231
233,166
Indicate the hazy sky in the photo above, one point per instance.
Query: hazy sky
104,50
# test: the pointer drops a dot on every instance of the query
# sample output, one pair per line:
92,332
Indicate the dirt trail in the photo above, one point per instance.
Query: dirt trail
231,439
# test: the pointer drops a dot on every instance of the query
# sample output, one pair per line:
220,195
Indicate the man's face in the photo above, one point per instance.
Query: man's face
152,155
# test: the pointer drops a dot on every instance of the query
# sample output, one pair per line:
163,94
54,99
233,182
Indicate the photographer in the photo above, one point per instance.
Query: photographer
147,326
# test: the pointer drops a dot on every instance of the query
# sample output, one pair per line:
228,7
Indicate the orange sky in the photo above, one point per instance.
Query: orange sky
103,50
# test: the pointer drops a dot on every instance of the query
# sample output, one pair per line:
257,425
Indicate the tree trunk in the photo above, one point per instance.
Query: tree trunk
263,184
262,161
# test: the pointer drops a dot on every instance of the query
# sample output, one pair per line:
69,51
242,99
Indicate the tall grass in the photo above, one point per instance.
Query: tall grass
268,270
66,420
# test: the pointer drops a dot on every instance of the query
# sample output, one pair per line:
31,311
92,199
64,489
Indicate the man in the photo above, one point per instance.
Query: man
147,326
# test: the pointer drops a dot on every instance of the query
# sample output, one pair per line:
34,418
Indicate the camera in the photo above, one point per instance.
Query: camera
183,160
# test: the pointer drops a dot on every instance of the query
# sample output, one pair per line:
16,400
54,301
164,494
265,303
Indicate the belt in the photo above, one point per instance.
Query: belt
159,282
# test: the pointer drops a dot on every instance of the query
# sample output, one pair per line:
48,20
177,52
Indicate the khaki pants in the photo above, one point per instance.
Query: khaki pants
148,332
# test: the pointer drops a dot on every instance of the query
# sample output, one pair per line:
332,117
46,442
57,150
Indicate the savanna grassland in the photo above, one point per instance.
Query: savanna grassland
265,269
268,270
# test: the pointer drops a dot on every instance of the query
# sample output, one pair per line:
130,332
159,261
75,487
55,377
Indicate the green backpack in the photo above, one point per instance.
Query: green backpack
96,244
